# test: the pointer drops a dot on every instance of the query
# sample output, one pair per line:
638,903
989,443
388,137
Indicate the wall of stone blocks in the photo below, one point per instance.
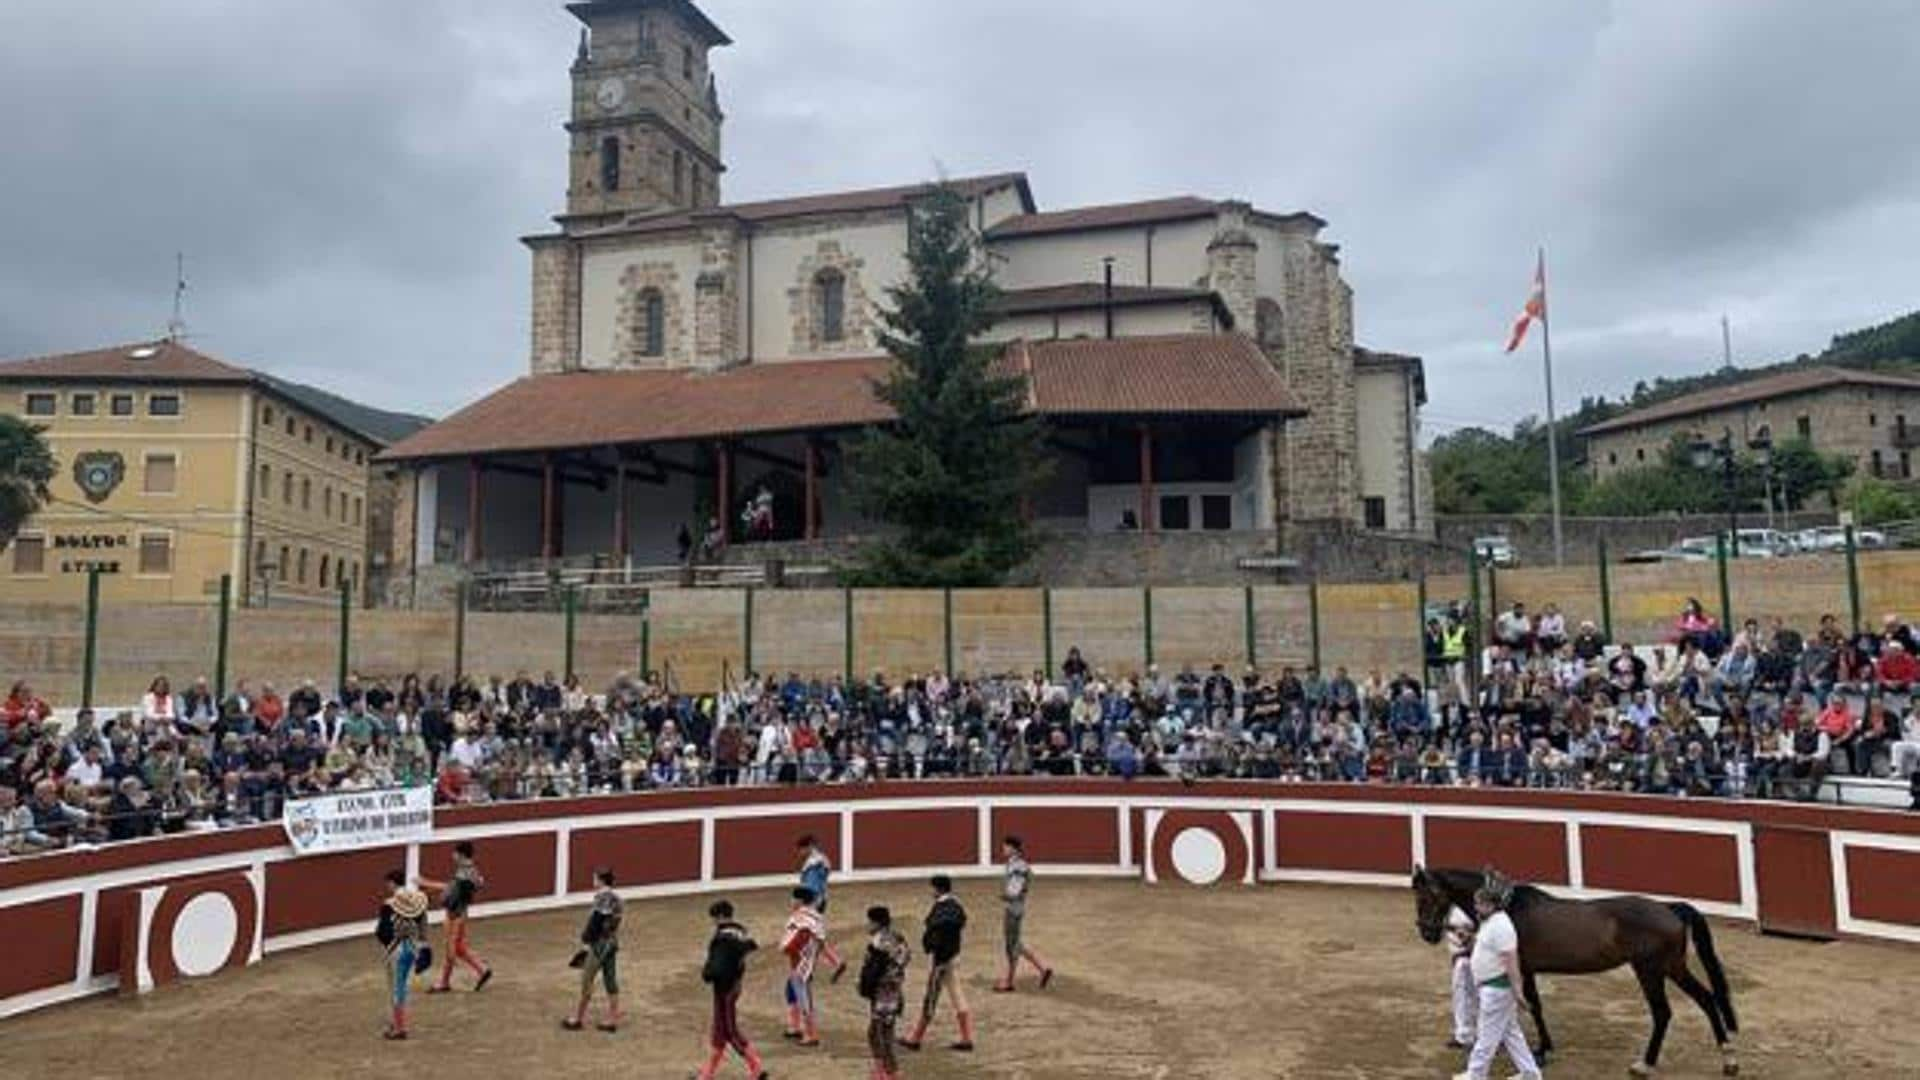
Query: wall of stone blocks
1107,625
1369,627
700,634
999,630
898,631
800,631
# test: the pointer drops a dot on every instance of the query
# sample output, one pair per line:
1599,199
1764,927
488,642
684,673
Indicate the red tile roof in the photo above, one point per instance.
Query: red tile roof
1767,387
174,363
841,202
1152,211
148,361
1182,374
1122,215
1173,374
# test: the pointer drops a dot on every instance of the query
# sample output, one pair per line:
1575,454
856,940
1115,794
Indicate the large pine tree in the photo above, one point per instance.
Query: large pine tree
26,468
951,475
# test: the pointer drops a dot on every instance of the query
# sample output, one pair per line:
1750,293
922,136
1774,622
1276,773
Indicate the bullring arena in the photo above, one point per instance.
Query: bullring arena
1223,930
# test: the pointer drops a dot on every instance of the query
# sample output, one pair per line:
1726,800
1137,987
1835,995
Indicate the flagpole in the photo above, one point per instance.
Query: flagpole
1553,439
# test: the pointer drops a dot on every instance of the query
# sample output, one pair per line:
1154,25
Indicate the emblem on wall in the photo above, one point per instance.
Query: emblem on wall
98,472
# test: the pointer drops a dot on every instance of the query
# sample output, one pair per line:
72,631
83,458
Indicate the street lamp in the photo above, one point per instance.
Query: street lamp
1705,456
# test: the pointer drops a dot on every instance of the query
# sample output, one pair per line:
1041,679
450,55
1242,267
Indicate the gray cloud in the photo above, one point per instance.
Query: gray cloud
349,178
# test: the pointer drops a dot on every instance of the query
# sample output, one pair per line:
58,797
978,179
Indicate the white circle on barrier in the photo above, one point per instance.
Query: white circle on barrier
1199,856
204,934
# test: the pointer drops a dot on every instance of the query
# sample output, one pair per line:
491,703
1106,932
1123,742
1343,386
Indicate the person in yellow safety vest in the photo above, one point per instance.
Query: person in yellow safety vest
1453,650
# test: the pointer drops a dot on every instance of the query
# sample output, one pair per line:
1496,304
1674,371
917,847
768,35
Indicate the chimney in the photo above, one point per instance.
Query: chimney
1106,296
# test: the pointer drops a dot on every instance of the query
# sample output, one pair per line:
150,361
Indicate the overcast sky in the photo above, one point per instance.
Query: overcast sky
348,178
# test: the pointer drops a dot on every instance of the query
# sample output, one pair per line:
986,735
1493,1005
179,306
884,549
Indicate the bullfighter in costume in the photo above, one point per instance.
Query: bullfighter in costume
941,939
882,982
725,968
402,932
456,896
599,954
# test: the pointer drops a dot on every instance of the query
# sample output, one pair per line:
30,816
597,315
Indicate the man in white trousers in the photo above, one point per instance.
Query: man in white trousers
1496,971
1466,996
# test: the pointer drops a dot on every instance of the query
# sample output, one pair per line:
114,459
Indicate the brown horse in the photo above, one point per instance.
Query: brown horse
1585,937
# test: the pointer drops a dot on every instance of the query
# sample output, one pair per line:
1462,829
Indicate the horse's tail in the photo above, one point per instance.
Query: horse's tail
1716,975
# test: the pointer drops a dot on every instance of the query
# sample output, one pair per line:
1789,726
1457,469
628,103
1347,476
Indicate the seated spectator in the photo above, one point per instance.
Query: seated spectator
1695,625
1735,673
1514,629
55,824
1551,631
23,706
1905,754
1589,644
1897,669
1806,762
1878,732
16,823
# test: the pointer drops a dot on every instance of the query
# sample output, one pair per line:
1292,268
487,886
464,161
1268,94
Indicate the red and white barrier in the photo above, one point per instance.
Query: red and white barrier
143,914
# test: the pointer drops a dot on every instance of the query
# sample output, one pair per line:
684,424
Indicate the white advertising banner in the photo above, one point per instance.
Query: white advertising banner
353,819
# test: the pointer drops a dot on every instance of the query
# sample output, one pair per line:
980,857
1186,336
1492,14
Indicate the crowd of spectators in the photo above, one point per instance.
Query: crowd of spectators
1760,712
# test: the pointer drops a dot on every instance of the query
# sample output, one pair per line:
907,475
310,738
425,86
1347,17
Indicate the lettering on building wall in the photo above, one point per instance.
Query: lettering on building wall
102,543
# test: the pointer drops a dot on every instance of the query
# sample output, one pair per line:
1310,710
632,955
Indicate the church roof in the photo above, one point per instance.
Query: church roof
839,202
1092,295
1122,215
1172,375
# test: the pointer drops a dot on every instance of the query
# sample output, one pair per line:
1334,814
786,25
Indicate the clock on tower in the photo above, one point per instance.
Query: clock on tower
644,135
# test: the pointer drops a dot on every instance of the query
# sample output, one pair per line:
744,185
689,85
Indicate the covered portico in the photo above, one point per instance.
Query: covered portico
1172,433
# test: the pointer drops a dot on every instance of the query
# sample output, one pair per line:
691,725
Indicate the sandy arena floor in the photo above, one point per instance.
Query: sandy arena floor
1294,981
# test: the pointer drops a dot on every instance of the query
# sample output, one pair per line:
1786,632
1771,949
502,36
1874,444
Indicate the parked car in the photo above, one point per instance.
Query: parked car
1831,538
1496,551
1762,544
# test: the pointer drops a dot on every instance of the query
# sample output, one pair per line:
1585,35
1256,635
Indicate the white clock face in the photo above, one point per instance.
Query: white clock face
610,93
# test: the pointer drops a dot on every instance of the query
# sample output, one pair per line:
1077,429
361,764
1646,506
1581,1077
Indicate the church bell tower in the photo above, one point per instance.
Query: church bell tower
644,136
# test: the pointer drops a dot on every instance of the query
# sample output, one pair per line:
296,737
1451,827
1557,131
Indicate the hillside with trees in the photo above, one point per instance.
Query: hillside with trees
1477,471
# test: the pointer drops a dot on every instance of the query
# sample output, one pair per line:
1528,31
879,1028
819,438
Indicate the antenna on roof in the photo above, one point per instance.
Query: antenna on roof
177,326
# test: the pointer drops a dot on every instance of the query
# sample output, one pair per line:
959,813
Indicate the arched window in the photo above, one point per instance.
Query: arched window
300,575
610,163
679,174
831,285
653,323
323,571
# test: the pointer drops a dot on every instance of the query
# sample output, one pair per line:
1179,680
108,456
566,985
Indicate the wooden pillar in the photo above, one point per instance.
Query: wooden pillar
1146,478
812,496
723,489
549,510
474,549
620,509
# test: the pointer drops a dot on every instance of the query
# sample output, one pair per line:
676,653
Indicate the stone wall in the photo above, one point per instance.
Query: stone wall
556,305
1532,534
702,635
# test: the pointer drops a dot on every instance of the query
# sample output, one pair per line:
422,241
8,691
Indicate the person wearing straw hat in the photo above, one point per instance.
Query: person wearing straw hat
1496,971
402,930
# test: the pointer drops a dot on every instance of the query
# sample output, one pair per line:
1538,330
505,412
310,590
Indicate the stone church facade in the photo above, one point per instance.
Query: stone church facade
648,271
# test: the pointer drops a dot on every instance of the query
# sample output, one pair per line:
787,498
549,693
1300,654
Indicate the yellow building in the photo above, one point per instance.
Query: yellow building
176,468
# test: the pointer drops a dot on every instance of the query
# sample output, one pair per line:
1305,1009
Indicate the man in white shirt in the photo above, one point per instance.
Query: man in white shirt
1495,964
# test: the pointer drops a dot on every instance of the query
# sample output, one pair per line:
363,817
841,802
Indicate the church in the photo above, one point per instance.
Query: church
696,365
